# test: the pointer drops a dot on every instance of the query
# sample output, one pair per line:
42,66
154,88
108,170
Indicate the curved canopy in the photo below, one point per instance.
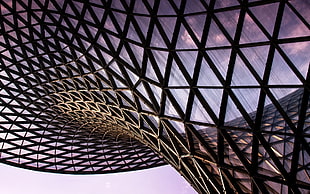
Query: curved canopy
217,89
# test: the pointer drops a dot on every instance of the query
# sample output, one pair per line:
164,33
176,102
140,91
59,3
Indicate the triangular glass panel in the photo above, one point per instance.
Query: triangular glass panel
95,62
103,79
281,73
84,40
91,81
99,12
302,8
290,102
157,39
225,3
13,36
292,26
209,135
139,7
151,139
266,14
125,56
6,61
229,19
117,5
181,96
188,59
8,22
79,6
251,32
194,6
3,48
170,110
298,53
124,101
143,23
185,40
220,59
54,16
272,119
84,66
115,67
131,117
144,100
216,38
199,113
4,10
242,75
69,10
150,124
168,24
145,106
257,57
34,5
165,8
138,53
177,78
109,25
214,98
196,22
133,77
249,99
89,16
121,18
73,70
38,15
233,116
141,89
132,34
4,81
157,92
111,97
150,73
169,136
181,142
161,60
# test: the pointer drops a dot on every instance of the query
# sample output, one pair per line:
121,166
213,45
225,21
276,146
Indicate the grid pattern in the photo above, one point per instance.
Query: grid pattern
217,89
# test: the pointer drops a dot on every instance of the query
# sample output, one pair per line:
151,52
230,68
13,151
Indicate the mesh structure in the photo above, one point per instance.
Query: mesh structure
217,89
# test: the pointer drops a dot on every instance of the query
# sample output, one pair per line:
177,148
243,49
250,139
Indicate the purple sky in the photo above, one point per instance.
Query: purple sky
159,180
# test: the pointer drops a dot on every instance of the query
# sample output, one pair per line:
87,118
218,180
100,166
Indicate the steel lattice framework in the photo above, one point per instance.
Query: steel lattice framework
217,89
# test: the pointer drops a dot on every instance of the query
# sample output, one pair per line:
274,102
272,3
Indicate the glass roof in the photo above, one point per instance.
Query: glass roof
217,89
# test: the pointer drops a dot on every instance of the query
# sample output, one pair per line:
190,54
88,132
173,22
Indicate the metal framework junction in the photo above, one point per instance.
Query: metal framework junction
219,89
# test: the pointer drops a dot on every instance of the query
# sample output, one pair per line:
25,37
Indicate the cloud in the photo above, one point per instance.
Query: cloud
187,38
298,48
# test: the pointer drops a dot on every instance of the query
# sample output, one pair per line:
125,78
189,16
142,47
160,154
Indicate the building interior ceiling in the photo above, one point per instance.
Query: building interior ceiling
219,90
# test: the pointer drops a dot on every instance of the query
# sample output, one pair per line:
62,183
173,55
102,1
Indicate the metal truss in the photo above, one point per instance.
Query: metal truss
217,89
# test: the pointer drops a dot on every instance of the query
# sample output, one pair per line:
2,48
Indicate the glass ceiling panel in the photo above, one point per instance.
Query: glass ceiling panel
217,88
